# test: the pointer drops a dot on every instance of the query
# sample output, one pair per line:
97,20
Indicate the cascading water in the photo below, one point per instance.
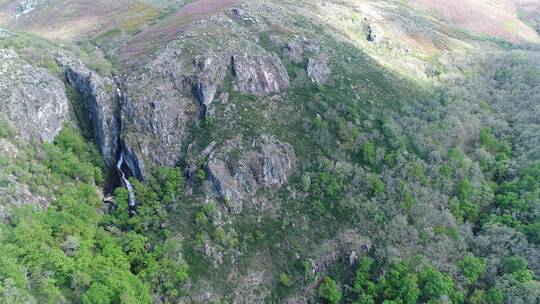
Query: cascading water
126,183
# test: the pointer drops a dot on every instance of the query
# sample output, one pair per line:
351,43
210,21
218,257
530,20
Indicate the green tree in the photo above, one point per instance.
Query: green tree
494,296
434,284
363,275
513,264
472,267
284,280
400,284
329,291
368,153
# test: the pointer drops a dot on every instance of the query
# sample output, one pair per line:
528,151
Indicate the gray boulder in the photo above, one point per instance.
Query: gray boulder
33,99
318,69
259,73
225,185
375,33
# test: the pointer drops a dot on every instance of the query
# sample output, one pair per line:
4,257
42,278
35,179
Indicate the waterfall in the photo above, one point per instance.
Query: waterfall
125,182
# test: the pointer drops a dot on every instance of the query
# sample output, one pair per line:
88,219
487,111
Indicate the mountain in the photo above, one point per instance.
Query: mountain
221,151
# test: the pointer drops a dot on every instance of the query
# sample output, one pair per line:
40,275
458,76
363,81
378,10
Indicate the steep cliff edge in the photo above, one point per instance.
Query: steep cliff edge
102,103
32,98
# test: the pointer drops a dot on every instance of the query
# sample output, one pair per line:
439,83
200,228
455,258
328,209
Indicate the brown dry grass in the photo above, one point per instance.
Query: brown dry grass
69,19
73,19
173,26
497,18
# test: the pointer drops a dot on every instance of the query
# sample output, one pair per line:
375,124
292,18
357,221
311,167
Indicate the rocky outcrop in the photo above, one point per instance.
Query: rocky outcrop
259,73
27,6
318,69
101,98
294,51
225,185
375,33
33,99
155,113
236,173
211,70
4,33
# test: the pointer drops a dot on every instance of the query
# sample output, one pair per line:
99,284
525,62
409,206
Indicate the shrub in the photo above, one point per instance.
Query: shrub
329,291
6,129
368,153
472,267
284,280
514,264
494,296
434,284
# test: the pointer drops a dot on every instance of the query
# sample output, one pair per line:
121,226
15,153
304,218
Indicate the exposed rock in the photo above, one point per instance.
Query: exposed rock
154,117
4,33
252,287
268,165
213,253
313,46
28,6
158,102
225,185
16,195
211,72
272,163
294,51
32,98
260,74
375,33
318,69
134,161
101,98
237,12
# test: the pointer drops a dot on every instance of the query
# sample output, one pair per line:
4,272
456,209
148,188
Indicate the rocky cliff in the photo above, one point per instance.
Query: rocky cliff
102,99
32,98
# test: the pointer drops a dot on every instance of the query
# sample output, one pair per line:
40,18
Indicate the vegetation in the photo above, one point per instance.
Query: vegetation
329,291
68,253
404,190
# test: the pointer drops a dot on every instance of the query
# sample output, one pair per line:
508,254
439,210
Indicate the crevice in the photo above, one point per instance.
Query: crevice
123,168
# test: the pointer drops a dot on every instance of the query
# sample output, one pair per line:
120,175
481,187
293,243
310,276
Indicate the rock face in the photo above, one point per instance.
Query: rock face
211,70
155,111
236,173
101,99
318,69
33,99
294,51
260,73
